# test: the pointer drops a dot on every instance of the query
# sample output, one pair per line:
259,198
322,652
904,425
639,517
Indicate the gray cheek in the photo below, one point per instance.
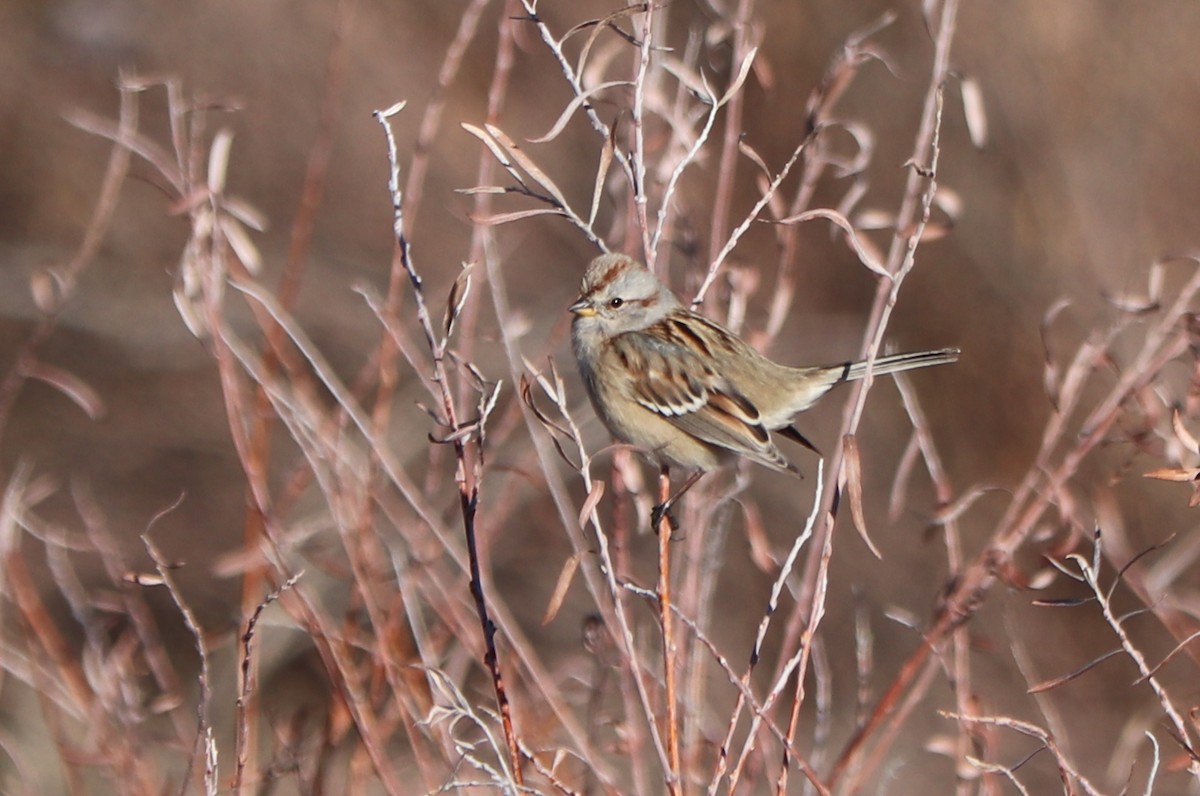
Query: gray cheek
586,335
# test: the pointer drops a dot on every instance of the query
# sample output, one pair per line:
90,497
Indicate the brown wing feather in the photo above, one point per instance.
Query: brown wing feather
670,377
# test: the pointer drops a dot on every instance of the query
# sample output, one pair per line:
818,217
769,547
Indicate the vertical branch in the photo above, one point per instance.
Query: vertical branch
623,522
785,572
668,636
727,171
261,422
203,723
482,236
465,475
960,659
639,132
919,194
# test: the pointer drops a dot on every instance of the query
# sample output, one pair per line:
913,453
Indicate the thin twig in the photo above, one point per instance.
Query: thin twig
66,279
668,637
466,476
204,704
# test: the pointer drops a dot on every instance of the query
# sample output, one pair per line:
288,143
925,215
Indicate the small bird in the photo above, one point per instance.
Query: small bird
686,389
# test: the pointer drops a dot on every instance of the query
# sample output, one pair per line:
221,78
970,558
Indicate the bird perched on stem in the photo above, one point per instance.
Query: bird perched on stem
684,388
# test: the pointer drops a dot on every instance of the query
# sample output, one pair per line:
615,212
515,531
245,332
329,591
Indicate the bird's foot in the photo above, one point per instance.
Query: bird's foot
656,517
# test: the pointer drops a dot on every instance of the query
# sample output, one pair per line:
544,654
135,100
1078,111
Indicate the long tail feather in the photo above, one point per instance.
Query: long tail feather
812,383
898,362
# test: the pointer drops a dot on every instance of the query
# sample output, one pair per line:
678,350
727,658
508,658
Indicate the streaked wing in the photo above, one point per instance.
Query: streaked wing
670,376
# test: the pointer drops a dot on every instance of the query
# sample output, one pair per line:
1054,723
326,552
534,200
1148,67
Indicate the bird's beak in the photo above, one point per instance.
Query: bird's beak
582,308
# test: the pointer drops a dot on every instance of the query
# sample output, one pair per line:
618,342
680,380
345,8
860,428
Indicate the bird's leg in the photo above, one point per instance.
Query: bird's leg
664,509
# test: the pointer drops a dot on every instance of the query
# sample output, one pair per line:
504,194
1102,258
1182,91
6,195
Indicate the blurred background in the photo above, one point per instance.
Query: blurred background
1089,173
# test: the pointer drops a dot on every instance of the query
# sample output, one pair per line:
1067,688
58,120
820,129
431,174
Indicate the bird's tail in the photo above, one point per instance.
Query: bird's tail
812,383
895,363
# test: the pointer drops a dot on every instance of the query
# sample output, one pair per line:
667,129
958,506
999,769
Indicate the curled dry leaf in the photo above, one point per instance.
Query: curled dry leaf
218,160
573,106
190,311
854,194
598,26
861,247
1174,474
760,544
950,202
873,218
1066,678
606,158
496,150
1131,302
239,241
764,73
190,201
237,562
46,287
898,497
70,385
1043,578
143,578
457,298
1167,658
903,617
474,375
854,487
934,231
1182,434
560,757
1138,304
775,203
944,745
392,110
497,219
165,703
599,64
928,7
245,212
953,511
482,189
692,80
864,149
565,576
740,78
974,111
557,431
589,505
1052,373
754,157
487,402
526,163
1155,281
1058,563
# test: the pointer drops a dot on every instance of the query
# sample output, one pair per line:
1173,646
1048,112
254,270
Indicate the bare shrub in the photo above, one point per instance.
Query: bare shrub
437,676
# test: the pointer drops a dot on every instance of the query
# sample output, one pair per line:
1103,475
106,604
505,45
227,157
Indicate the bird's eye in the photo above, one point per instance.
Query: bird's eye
616,303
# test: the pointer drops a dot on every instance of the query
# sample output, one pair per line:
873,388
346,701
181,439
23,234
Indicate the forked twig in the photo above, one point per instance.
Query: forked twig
468,474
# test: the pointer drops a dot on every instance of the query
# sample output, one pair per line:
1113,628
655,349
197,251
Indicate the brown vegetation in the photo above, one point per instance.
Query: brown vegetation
301,492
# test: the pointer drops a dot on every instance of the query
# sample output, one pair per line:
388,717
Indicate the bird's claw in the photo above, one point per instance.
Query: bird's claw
656,516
